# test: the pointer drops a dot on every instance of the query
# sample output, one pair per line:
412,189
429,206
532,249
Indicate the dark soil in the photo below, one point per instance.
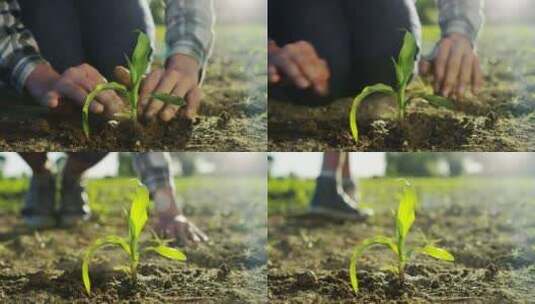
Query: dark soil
491,235
45,266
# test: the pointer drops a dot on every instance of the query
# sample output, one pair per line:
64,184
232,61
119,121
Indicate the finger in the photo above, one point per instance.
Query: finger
452,71
273,75
193,103
180,90
292,71
440,63
167,83
51,100
168,112
308,61
424,67
122,76
477,75
77,94
202,236
109,99
466,75
148,86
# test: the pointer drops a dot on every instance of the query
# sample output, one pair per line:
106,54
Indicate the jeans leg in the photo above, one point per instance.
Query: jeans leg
79,162
55,25
321,23
377,37
109,30
36,161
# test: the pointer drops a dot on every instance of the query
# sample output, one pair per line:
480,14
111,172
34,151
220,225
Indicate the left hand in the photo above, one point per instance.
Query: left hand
171,223
180,78
455,67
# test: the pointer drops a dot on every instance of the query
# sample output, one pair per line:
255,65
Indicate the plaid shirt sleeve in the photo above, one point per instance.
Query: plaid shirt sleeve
461,16
19,53
190,28
154,169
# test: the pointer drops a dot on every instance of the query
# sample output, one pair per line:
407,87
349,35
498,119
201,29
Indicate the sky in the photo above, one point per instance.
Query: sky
308,164
15,165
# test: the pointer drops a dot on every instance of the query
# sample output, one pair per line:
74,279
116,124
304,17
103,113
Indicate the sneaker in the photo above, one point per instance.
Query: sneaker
74,207
38,210
331,201
377,107
350,188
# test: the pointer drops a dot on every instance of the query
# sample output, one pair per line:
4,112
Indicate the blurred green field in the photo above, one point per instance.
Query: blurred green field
293,195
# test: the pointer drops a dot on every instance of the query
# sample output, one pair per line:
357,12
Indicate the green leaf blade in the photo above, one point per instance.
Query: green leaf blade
439,101
99,244
407,59
140,59
437,253
367,91
138,215
359,250
169,99
406,213
109,86
168,252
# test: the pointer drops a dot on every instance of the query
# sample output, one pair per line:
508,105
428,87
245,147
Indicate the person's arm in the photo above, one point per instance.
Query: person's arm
461,17
19,53
189,38
454,64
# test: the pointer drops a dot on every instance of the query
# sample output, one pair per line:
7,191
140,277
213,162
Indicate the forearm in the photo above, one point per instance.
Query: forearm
462,17
190,29
19,52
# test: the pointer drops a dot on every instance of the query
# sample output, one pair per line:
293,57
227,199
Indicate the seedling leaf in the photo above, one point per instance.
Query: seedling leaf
406,213
168,252
407,59
378,88
170,99
439,101
437,253
140,58
110,86
138,211
358,251
98,244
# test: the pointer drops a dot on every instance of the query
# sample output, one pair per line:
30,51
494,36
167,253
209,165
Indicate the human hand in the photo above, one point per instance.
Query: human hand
455,67
179,78
51,89
299,64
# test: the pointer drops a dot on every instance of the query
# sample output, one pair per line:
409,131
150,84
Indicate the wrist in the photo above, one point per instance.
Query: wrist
183,63
41,79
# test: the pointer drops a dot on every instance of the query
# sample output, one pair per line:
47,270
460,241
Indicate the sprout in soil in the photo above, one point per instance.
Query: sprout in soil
405,217
137,218
404,66
137,66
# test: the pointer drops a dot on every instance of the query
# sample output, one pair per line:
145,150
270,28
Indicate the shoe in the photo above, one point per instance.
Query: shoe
38,210
350,188
74,207
331,201
377,107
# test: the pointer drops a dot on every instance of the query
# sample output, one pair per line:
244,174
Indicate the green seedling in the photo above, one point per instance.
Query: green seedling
405,217
404,67
137,218
138,65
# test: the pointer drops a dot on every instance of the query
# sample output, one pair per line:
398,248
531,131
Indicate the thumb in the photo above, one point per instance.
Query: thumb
51,100
122,75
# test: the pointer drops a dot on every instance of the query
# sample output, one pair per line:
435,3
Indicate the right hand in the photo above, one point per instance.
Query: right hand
50,88
299,64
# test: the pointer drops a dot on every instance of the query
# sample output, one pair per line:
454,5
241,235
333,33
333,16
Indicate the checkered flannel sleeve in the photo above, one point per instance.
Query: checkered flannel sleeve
19,53
461,16
154,169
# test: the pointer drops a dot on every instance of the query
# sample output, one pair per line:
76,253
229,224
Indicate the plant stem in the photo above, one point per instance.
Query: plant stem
133,271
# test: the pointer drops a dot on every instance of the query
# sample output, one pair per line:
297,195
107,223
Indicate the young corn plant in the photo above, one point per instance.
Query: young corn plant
138,65
405,217
137,218
404,66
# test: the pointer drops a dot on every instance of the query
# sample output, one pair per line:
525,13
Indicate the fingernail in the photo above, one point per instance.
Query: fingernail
302,83
98,108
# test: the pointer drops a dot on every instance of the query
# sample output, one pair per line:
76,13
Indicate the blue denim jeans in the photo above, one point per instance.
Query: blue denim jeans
97,32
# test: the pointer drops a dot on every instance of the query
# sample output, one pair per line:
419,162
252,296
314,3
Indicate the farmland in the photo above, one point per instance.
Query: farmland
232,116
45,266
499,119
486,223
